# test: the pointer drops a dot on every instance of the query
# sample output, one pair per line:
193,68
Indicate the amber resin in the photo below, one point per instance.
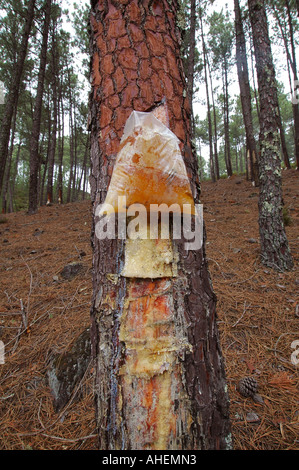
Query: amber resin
149,168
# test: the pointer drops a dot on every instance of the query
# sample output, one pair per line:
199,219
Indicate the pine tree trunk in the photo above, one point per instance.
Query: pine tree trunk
84,167
228,163
210,130
284,149
74,196
275,250
216,159
42,195
60,150
14,175
8,165
289,64
14,91
295,73
36,124
245,93
71,137
135,65
53,138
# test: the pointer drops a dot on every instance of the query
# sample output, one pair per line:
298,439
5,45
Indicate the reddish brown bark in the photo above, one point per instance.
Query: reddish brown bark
135,66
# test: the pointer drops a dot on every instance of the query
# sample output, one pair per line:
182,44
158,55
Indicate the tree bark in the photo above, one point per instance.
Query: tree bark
7,175
83,170
285,153
257,104
210,130
216,159
291,62
191,58
245,93
295,73
136,65
61,149
14,175
86,167
71,140
275,250
228,161
53,138
74,196
36,124
14,91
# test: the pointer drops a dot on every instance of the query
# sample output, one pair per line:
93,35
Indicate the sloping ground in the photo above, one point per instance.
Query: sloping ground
257,309
258,312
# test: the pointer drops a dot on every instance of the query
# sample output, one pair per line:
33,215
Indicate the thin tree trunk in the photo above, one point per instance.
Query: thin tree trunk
53,139
275,250
257,105
183,405
227,152
294,67
36,124
227,132
74,195
294,105
284,149
61,151
14,91
84,168
245,93
42,196
15,171
71,137
8,166
216,159
210,130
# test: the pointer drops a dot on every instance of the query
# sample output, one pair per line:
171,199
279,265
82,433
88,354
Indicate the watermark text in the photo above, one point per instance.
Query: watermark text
162,221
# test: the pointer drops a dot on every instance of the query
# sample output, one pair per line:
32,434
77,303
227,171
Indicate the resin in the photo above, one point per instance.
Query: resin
149,168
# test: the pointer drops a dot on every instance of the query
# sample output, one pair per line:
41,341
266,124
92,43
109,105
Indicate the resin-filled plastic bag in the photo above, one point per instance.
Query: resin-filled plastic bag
149,167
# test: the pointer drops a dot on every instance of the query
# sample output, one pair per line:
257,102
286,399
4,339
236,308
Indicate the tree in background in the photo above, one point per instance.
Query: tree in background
283,12
13,94
245,93
275,250
43,149
36,121
220,42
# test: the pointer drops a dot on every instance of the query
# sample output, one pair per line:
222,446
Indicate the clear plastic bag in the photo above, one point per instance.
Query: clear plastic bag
149,167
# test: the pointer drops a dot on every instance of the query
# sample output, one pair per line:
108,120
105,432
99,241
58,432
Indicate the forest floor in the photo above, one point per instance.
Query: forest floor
258,314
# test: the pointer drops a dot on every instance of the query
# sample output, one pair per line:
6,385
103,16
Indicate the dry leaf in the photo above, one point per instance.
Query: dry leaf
281,380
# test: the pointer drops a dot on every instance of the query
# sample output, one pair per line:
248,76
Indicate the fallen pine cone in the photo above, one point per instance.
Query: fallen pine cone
247,387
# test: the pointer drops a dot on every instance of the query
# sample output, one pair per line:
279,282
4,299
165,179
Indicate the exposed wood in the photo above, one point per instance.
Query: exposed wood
136,65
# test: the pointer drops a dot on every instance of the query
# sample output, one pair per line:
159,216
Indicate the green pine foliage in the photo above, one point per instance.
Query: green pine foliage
71,79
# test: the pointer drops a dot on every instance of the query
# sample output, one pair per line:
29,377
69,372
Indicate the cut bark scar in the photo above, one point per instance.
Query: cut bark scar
152,399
